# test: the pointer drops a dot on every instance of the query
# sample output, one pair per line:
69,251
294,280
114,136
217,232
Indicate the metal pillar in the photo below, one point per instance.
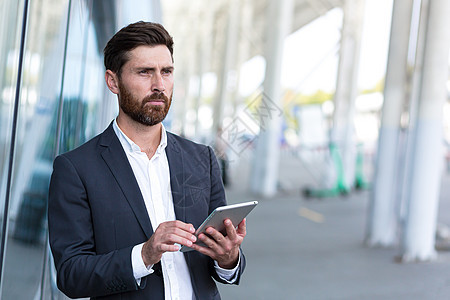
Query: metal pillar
382,222
265,164
346,87
427,158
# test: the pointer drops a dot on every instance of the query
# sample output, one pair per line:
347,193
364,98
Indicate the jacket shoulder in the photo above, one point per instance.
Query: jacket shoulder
194,151
183,142
84,148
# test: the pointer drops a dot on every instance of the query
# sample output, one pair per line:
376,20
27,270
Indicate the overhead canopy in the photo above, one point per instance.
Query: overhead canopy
194,23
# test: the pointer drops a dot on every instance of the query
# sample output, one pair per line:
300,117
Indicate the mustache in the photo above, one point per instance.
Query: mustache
156,96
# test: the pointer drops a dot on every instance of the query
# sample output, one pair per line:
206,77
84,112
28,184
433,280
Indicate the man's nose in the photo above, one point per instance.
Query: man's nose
158,83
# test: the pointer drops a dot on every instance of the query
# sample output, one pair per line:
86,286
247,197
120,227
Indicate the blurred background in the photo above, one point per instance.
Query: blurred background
333,114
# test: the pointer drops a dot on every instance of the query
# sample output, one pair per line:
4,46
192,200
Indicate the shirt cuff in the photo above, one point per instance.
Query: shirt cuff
139,268
229,275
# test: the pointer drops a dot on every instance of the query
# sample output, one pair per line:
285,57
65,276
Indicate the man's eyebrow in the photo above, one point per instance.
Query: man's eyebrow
168,68
145,68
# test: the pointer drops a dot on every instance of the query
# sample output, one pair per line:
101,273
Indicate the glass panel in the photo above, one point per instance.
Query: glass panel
82,90
87,108
74,107
10,26
34,148
83,80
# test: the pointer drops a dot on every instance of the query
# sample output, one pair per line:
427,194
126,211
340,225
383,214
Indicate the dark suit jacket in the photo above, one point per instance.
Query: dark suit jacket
97,214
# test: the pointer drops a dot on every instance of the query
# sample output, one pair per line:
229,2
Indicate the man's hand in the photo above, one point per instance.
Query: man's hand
164,239
223,249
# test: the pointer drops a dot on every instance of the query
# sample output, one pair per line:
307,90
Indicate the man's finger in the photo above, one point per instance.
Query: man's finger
173,238
242,228
231,231
169,232
216,236
177,232
204,250
179,224
169,248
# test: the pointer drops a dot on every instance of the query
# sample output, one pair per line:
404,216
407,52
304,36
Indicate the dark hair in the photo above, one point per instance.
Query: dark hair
128,38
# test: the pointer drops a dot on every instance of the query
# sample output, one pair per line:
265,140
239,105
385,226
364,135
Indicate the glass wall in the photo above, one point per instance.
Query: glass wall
10,17
63,101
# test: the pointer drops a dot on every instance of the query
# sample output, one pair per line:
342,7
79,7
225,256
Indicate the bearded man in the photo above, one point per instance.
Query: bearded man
122,204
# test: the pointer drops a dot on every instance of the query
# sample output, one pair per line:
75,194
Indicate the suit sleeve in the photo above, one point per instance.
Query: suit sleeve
81,271
218,199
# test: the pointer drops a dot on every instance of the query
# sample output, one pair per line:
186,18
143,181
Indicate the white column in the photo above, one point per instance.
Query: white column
198,97
184,52
346,86
382,221
204,25
424,188
228,60
266,160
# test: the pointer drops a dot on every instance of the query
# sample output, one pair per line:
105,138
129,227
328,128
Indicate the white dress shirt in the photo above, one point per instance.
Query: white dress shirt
153,178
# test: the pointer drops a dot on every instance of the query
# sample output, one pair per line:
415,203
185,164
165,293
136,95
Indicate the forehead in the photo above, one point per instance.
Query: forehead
150,56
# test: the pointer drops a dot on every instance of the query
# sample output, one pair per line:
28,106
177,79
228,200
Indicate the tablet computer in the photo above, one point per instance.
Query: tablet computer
235,212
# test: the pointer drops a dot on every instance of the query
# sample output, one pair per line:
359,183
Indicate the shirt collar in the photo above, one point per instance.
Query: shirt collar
130,146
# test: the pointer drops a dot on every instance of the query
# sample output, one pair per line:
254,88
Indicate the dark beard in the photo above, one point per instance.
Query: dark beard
148,115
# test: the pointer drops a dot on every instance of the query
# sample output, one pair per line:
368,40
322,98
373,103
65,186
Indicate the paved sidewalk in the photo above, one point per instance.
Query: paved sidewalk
313,249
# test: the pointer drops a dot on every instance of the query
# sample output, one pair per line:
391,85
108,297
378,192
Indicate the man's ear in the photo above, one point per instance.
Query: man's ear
112,81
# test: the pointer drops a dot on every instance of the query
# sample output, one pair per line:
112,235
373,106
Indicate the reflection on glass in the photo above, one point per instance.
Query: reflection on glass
10,21
86,111
34,149
82,90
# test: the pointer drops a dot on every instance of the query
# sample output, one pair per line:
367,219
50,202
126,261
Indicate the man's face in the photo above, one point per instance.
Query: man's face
146,85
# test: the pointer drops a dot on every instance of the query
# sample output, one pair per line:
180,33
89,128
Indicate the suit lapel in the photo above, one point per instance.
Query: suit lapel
116,159
176,167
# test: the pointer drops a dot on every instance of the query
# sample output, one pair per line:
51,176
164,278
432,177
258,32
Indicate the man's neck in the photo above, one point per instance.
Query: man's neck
146,137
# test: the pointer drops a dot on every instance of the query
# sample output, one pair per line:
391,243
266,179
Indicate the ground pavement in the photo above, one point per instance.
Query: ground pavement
299,248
